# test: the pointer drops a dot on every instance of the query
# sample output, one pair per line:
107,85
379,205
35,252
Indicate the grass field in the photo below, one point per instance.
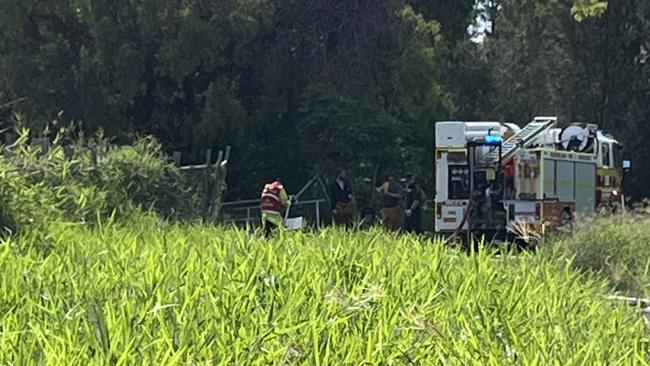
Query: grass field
149,293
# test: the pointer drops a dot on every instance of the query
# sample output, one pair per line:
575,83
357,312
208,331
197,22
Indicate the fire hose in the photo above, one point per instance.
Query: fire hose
468,212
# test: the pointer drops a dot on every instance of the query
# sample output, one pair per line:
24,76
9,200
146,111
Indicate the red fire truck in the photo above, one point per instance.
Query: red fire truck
497,179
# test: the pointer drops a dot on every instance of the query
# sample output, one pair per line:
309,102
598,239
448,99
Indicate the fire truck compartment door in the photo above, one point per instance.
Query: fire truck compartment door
585,187
565,180
549,178
524,211
450,218
450,134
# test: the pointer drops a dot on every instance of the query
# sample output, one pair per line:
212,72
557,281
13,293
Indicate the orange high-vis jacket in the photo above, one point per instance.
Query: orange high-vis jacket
274,199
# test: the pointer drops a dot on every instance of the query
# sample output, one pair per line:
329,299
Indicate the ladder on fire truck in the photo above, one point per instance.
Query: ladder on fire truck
522,139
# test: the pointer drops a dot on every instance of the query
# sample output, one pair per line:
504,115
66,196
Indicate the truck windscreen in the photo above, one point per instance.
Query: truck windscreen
618,155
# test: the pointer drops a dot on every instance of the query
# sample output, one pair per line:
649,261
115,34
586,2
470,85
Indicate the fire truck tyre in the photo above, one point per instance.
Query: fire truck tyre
522,245
566,218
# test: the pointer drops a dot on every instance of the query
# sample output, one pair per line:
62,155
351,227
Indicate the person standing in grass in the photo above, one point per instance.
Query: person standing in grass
392,194
414,199
273,202
341,198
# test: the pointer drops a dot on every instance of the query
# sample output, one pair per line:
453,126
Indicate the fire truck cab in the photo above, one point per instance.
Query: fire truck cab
494,178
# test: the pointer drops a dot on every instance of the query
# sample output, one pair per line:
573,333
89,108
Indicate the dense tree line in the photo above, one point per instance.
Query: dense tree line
546,57
294,84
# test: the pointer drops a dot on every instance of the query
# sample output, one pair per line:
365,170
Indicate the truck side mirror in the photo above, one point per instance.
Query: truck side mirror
627,161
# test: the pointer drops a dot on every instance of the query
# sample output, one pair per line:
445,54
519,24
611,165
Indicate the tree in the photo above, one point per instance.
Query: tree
40,43
200,73
544,61
335,130
583,9
453,16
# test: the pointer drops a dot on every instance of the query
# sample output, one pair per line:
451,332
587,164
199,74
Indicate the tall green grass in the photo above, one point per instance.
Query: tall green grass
148,292
616,248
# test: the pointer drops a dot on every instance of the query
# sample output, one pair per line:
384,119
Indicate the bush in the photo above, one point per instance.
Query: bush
38,187
23,204
615,247
60,176
139,174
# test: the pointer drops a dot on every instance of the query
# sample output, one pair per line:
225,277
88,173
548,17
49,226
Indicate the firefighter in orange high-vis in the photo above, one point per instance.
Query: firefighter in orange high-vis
273,202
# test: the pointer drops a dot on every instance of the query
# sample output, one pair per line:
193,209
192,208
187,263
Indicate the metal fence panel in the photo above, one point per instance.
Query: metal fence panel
247,213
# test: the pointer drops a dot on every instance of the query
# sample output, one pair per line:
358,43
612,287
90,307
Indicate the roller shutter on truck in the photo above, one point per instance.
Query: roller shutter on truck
564,182
571,181
585,187
550,187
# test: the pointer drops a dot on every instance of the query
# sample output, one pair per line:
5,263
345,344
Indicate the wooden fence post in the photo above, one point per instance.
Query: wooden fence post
213,173
41,142
68,151
220,172
207,184
177,158
227,156
213,183
9,138
93,153
219,157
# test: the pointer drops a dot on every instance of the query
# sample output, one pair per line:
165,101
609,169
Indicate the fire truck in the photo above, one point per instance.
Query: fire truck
495,179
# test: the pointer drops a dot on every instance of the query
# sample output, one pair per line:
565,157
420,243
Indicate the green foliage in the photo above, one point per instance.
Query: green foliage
421,98
584,9
224,114
62,183
453,16
543,62
470,81
198,74
152,293
145,66
333,127
533,74
140,175
55,184
616,248
22,204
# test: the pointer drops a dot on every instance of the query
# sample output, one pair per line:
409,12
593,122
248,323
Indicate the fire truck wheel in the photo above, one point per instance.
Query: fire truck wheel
530,244
601,209
566,218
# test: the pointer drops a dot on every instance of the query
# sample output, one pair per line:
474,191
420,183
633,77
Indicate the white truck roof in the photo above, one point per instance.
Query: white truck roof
454,134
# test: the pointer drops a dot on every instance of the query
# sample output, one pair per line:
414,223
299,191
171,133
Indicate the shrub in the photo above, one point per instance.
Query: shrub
62,182
140,175
23,204
60,176
615,247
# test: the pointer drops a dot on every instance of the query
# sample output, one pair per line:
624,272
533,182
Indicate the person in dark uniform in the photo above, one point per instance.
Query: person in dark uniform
392,195
341,197
414,201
